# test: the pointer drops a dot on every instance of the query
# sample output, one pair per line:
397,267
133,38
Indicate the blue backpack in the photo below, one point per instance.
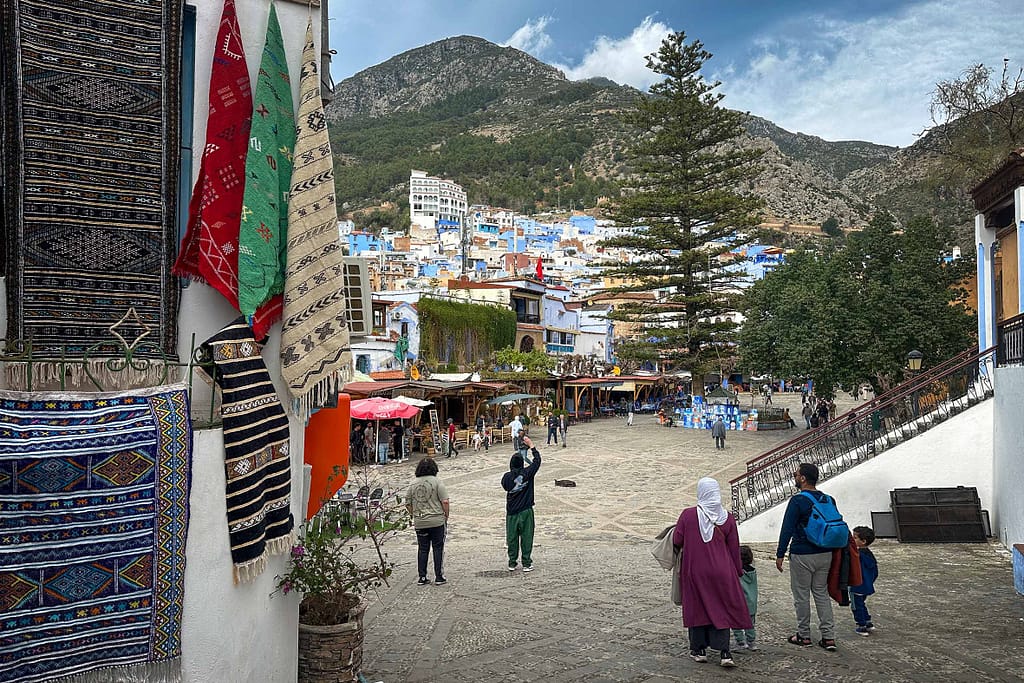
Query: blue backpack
826,528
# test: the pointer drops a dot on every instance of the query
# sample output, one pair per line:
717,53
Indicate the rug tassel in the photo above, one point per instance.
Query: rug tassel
248,571
165,671
50,375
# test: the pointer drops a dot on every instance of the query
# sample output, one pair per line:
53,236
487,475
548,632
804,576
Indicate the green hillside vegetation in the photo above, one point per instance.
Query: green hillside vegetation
530,169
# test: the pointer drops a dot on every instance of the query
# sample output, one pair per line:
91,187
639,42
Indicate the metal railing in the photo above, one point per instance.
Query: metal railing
858,435
1010,341
133,364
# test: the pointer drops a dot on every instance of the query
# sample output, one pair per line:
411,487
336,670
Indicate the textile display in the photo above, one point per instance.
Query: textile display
93,521
268,175
316,356
209,252
256,451
91,162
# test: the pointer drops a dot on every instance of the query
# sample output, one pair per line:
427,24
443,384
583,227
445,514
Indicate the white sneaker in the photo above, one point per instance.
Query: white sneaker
698,657
528,569
727,662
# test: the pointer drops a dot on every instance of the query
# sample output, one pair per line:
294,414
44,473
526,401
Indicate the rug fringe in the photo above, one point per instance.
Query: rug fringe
47,375
165,671
248,571
317,395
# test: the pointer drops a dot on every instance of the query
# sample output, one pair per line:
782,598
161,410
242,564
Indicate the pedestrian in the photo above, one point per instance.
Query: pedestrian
516,427
452,450
823,411
563,426
713,601
864,536
383,444
552,427
398,441
355,442
746,639
427,502
806,411
718,432
808,563
788,419
519,521
629,417
369,444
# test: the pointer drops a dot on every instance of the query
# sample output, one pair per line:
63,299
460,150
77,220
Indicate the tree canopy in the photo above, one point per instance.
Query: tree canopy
686,164
851,314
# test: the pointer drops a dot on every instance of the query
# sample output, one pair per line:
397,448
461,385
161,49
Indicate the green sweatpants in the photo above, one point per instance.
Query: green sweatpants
519,530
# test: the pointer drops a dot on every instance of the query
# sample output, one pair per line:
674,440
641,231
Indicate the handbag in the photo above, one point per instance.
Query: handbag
669,558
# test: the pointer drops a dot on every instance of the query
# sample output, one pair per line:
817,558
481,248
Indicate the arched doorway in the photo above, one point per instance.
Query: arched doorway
526,345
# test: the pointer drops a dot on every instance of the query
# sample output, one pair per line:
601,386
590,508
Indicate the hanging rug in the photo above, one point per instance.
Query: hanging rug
93,519
91,164
255,451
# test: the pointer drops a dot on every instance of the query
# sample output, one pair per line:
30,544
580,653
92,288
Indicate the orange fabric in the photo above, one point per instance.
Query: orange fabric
855,577
327,448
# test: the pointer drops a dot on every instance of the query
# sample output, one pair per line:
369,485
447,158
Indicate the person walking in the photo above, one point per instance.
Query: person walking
806,411
519,521
718,432
709,583
552,427
355,442
808,563
427,503
452,450
563,427
629,417
369,444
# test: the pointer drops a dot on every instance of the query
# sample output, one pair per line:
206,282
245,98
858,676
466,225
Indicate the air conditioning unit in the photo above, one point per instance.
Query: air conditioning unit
396,315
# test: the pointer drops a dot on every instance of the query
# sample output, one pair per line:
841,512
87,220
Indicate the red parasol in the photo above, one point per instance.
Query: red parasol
379,408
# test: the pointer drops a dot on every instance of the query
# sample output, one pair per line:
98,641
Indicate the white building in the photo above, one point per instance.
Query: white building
435,203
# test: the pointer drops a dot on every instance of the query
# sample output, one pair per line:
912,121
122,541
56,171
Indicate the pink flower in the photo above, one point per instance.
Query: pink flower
298,551
286,587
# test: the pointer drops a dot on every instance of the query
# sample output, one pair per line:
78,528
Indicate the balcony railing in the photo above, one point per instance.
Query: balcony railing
858,435
529,318
1010,341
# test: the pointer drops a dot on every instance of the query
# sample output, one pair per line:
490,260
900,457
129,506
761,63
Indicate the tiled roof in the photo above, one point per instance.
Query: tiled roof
381,375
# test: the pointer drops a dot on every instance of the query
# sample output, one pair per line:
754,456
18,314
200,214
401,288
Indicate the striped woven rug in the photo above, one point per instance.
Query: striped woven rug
91,157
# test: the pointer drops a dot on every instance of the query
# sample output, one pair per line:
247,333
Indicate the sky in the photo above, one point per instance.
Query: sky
838,69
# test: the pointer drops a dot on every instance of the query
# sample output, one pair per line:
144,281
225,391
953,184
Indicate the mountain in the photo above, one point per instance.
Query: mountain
515,132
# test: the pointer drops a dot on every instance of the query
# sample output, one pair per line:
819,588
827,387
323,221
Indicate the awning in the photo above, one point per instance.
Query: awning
510,398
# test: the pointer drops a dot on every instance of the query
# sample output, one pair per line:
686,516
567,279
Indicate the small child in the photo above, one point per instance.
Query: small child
864,536
745,638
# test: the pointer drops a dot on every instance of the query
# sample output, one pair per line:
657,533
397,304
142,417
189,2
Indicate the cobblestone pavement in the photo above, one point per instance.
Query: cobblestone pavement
597,609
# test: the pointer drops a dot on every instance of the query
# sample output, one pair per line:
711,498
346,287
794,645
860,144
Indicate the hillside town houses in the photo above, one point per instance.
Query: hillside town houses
547,267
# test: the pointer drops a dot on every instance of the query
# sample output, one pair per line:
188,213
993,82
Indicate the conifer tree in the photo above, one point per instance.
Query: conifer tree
683,197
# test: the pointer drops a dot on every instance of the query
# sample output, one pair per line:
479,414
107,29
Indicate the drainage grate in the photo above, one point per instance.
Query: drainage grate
495,573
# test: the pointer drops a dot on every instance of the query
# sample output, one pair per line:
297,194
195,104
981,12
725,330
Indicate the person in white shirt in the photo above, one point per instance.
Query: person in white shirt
517,429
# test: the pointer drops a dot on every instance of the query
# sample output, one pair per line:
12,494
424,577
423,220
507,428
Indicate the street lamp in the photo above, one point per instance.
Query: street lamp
914,359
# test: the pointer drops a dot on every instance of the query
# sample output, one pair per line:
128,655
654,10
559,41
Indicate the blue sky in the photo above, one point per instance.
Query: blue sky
850,70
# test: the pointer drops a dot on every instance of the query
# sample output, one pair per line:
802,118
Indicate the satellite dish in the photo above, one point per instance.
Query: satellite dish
414,373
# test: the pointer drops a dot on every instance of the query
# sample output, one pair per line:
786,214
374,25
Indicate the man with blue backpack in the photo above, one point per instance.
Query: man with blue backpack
811,530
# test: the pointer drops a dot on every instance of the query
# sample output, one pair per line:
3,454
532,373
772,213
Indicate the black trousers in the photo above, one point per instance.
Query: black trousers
433,538
704,637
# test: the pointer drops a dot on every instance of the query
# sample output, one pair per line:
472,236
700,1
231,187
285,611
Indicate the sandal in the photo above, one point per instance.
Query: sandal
829,644
795,639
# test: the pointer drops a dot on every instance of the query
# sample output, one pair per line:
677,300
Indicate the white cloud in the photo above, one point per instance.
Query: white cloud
623,60
867,80
531,37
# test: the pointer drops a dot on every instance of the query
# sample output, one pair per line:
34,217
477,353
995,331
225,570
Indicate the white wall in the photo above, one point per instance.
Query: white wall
957,452
229,632
1008,460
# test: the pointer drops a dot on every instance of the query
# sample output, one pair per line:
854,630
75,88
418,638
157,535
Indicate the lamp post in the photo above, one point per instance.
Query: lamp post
914,359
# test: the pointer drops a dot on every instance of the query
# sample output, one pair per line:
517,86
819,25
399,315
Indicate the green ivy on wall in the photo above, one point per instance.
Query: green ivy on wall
461,333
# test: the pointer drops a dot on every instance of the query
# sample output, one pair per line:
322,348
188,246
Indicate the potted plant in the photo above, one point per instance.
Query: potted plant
338,557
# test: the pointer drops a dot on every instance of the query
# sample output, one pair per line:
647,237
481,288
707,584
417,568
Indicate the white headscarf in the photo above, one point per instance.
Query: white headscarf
709,507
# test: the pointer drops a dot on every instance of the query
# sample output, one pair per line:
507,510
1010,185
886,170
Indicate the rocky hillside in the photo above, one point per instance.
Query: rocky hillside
515,132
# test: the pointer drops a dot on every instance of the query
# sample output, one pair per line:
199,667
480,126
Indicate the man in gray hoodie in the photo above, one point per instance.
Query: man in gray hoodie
718,431
519,523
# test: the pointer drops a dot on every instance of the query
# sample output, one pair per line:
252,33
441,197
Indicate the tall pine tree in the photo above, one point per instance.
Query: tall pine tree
683,197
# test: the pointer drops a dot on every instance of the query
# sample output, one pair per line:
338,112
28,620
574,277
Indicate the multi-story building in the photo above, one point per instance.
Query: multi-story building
436,203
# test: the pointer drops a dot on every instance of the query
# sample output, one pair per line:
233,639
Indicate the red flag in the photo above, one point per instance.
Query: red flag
209,252
540,270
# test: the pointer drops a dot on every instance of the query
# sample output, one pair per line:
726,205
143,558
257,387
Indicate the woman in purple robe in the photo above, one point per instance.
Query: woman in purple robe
713,601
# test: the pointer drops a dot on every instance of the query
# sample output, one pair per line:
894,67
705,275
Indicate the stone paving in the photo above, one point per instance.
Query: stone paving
597,607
